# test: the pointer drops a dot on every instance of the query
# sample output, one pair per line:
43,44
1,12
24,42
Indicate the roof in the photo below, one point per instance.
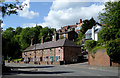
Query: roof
52,44
97,30
88,31
66,27
66,32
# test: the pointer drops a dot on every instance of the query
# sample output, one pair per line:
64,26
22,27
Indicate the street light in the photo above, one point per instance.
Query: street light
35,53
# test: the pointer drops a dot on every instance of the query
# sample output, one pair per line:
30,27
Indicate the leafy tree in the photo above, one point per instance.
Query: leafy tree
26,35
118,34
90,44
111,32
111,15
113,49
18,30
107,34
37,32
11,8
9,45
47,33
80,36
88,24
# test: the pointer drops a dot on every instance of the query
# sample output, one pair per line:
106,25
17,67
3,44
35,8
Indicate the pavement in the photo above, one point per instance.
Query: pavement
78,69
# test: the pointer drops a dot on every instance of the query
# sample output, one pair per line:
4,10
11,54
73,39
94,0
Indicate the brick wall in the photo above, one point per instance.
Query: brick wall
100,58
53,52
71,54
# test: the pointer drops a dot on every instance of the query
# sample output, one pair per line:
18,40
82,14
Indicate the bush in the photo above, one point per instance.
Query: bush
113,49
107,34
90,44
118,34
96,48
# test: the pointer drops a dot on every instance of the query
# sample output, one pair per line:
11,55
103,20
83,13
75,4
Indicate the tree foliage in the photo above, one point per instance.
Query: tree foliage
113,49
107,34
11,8
47,33
9,45
14,41
111,15
88,24
111,33
90,44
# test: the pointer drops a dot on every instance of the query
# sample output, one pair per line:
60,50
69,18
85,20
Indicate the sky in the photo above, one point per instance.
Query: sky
54,14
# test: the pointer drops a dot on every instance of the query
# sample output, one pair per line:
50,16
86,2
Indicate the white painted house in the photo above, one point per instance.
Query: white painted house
92,34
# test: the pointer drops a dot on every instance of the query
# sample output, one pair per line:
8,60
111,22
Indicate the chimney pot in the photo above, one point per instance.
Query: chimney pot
31,42
42,39
80,20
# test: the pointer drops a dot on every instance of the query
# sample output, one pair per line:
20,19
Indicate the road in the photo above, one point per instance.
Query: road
79,69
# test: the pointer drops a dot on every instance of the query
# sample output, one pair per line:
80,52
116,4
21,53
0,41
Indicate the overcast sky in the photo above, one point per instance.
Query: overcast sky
53,14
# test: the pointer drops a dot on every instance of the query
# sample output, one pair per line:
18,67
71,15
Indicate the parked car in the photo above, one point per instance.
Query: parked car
84,52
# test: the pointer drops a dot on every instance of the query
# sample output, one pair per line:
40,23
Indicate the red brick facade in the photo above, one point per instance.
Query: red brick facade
53,55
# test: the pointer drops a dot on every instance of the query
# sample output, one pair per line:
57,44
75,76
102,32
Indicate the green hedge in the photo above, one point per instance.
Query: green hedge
113,49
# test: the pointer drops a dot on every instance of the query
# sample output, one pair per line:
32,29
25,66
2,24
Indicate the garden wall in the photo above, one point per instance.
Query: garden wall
100,58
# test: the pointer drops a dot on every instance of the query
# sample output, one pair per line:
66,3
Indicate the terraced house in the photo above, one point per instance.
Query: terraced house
53,52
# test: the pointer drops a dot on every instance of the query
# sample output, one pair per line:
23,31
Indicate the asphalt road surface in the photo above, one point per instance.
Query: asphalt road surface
79,69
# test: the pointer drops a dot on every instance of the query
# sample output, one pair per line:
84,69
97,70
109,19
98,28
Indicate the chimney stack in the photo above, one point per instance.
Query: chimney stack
80,21
42,39
31,42
54,30
76,23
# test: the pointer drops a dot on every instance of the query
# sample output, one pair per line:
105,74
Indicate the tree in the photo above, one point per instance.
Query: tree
107,34
111,15
88,24
37,32
47,33
8,9
25,39
9,45
113,49
111,32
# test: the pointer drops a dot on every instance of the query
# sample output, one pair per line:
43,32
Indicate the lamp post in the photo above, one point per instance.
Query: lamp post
35,53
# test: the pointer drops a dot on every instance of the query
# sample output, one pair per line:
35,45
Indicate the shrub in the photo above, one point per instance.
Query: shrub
113,49
96,48
118,34
90,44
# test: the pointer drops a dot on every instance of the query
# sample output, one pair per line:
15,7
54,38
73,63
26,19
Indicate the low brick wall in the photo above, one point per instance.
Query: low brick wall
114,64
100,58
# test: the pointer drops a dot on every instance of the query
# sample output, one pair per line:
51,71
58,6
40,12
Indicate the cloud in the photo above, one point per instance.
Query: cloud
26,13
28,25
2,25
67,13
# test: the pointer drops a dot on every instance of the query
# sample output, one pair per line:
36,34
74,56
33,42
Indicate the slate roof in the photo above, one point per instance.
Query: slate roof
97,30
65,32
52,44
88,31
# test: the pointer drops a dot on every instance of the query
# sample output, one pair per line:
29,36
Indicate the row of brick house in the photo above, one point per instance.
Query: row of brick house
76,27
61,49
52,52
